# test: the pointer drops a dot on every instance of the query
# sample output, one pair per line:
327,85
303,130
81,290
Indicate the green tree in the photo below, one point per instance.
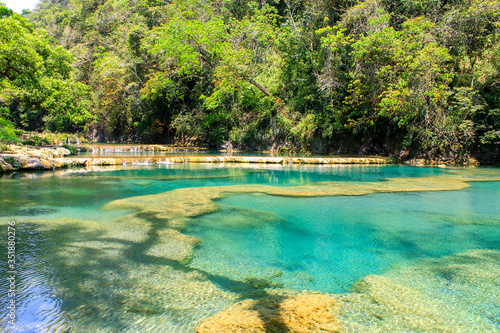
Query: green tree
32,71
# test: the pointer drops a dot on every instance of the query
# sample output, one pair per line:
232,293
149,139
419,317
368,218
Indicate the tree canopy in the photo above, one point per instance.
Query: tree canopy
391,77
36,88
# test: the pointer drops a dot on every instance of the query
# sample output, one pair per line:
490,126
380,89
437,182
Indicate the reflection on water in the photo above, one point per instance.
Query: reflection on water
177,152
397,261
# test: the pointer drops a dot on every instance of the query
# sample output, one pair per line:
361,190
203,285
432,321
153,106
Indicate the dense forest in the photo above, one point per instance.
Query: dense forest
391,77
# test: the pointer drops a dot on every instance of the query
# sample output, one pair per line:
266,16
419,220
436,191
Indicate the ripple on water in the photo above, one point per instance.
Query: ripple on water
38,307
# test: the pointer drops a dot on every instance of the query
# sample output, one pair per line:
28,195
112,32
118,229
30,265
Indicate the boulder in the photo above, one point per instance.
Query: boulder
300,314
4,166
46,164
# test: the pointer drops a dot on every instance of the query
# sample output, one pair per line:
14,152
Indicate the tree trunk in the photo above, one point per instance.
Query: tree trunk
261,88
472,81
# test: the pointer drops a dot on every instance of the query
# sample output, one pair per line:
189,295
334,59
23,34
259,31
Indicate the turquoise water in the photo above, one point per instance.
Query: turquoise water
85,267
329,243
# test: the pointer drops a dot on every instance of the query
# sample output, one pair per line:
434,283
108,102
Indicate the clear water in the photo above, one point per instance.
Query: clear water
84,267
329,243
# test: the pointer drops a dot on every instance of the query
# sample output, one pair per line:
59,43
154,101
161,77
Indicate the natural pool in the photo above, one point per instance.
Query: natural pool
161,248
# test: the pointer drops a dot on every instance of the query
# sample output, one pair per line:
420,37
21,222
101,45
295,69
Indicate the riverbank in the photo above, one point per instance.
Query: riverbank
50,158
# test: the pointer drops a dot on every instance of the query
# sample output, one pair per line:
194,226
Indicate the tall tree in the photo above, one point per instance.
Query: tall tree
32,74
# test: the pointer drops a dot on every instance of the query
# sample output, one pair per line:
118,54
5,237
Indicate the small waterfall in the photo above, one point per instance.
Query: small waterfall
77,142
165,161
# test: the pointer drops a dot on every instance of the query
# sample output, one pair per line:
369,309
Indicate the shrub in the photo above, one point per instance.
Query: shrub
72,149
36,141
8,133
4,148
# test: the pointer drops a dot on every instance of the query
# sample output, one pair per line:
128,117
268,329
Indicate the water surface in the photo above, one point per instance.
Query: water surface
85,267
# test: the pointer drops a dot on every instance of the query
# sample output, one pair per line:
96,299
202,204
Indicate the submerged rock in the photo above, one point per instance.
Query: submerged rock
305,313
173,245
457,293
190,202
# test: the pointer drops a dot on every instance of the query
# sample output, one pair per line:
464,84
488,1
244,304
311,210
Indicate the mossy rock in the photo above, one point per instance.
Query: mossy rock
72,149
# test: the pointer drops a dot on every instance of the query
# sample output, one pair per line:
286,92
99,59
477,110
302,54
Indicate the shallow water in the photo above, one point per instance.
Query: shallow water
87,260
329,243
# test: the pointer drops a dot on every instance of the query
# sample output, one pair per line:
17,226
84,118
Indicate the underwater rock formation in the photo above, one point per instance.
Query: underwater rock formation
173,245
189,202
140,260
300,314
436,295
143,290
457,293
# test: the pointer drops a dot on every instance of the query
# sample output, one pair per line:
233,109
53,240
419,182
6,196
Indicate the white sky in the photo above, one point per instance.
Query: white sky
19,5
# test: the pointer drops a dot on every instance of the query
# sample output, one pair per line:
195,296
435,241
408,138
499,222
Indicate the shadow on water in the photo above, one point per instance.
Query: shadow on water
89,282
273,323
95,283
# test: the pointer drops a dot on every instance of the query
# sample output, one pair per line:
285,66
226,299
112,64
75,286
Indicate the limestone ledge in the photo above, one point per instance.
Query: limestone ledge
441,163
8,162
234,159
33,158
136,147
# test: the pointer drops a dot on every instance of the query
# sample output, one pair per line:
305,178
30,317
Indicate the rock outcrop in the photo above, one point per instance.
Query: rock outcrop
4,166
29,158
300,314
231,159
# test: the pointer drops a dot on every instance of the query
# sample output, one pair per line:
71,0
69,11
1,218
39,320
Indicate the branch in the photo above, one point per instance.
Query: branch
261,88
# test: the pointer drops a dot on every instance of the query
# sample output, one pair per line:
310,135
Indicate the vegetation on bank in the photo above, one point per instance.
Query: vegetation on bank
394,77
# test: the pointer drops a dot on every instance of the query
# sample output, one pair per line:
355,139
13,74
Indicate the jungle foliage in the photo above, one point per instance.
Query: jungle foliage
393,77
36,88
